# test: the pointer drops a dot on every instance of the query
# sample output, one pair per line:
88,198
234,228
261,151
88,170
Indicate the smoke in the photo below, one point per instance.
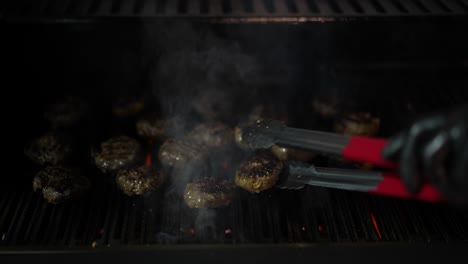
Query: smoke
198,77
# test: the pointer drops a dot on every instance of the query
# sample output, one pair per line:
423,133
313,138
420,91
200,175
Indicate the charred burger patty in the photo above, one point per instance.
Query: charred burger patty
59,184
209,193
139,180
259,173
117,153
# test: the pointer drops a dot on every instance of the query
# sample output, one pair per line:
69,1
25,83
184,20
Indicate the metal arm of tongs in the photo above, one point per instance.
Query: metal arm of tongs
266,133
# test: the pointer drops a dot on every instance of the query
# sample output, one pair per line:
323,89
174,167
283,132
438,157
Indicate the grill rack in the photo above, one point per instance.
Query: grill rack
108,218
230,10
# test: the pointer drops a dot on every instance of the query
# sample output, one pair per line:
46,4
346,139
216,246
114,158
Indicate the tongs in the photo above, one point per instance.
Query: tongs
266,133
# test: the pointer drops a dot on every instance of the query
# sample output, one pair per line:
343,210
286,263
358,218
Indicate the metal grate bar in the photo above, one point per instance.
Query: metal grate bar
356,6
418,6
216,7
193,7
17,225
4,216
392,6
149,7
127,7
324,7
463,4
434,7
302,7
81,8
238,7
259,7
224,9
100,7
283,6
443,5
14,218
347,7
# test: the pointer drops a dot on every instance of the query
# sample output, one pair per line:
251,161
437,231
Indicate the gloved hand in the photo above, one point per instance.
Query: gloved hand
434,150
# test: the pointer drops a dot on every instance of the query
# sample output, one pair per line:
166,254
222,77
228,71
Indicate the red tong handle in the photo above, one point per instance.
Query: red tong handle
362,149
391,185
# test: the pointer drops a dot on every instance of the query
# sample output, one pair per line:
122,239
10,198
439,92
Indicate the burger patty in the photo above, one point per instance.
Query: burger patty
209,193
66,112
325,108
358,124
117,153
211,134
48,149
259,173
127,106
59,184
150,127
139,180
175,152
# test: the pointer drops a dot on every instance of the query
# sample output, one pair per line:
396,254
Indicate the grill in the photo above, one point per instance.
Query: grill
108,218
230,10
394,58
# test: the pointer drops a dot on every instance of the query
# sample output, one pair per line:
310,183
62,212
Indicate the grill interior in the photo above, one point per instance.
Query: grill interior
90,9
422,73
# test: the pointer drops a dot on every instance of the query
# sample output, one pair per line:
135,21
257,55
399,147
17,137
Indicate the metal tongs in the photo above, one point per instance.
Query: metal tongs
266,133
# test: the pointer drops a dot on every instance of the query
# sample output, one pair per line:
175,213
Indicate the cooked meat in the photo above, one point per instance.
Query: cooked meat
127,106
117,153
209,193
358,124
174,152
59,184
325,108
150,127
259,173
66,112
283,153
211,135
48,149
139,180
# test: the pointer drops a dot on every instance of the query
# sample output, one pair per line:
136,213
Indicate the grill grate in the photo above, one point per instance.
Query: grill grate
108,218
224,9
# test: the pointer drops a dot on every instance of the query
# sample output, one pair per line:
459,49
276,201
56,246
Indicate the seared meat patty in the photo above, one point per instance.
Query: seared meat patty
211,134
325,108
66,112
59,184
48,149
174,152
209,193
259,173
150,127
358,124
127,106
117,153
139,180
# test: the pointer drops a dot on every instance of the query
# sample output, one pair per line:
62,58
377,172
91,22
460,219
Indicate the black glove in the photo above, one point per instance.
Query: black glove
434,150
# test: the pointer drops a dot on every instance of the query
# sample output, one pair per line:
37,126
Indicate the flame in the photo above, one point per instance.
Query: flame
376,226
148,160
